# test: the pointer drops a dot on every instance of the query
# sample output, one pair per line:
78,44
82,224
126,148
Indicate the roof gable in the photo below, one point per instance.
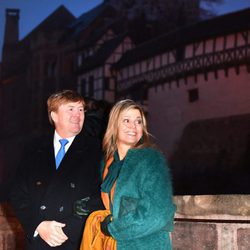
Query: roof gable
59,19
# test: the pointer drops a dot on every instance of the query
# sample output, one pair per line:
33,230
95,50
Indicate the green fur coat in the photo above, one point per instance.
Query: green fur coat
143,210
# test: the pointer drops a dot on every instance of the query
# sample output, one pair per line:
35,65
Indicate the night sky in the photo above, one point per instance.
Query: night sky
34,12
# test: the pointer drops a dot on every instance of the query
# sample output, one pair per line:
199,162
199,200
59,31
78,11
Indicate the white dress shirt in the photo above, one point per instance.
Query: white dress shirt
57,144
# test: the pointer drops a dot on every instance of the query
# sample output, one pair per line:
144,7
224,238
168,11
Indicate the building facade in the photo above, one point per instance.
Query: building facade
194,85
185,75
199,72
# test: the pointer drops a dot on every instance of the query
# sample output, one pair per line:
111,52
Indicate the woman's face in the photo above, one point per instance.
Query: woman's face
130,129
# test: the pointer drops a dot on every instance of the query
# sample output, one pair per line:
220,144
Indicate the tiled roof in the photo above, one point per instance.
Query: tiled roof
87,18
225,24
59,19
99,32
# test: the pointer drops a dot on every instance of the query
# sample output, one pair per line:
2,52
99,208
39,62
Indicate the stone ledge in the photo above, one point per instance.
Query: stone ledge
204,221
227,207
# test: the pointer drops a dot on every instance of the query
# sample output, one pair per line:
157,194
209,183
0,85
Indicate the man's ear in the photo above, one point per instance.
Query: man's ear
53,116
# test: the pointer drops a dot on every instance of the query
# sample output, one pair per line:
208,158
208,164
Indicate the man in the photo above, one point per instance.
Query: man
52,197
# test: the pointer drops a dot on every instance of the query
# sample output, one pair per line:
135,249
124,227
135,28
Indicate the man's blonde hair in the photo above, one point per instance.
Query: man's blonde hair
62,97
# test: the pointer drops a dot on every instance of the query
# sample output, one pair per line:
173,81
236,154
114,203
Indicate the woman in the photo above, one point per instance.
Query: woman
136,184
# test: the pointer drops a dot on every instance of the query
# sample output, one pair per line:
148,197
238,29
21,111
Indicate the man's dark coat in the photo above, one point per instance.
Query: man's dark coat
43,193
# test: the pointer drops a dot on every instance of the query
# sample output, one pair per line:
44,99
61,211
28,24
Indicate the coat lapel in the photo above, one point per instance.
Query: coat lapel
76,149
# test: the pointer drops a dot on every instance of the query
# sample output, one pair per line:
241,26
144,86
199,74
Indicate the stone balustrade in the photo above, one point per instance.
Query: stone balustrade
214,222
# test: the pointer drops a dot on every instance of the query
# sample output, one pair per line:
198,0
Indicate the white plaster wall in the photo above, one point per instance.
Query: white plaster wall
209,46
170,110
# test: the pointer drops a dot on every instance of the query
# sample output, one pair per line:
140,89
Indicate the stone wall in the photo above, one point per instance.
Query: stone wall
212,222
11,233
209,222
213,157
198,235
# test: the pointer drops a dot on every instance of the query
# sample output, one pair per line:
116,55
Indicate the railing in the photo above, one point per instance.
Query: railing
191,66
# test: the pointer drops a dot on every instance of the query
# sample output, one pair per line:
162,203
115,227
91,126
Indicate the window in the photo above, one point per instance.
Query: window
14,99
83,87
81,58
106,83
50,69
193,95
91,86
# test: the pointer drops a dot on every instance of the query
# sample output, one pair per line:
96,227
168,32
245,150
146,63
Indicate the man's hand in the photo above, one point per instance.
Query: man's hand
51,232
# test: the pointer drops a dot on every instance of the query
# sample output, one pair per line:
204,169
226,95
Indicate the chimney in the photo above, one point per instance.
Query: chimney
11,34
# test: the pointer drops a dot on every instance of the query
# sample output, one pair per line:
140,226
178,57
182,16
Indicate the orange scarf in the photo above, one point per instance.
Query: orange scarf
93,238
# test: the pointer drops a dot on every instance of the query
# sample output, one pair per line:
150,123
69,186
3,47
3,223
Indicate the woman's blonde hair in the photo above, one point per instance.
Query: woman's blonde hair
110,137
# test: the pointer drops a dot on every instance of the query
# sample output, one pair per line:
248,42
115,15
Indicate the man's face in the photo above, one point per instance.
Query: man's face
68,119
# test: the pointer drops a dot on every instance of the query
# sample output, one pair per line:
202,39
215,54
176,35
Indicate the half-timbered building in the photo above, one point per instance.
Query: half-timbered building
94,75
198,72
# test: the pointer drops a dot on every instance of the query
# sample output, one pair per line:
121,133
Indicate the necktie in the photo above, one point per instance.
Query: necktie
61,152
